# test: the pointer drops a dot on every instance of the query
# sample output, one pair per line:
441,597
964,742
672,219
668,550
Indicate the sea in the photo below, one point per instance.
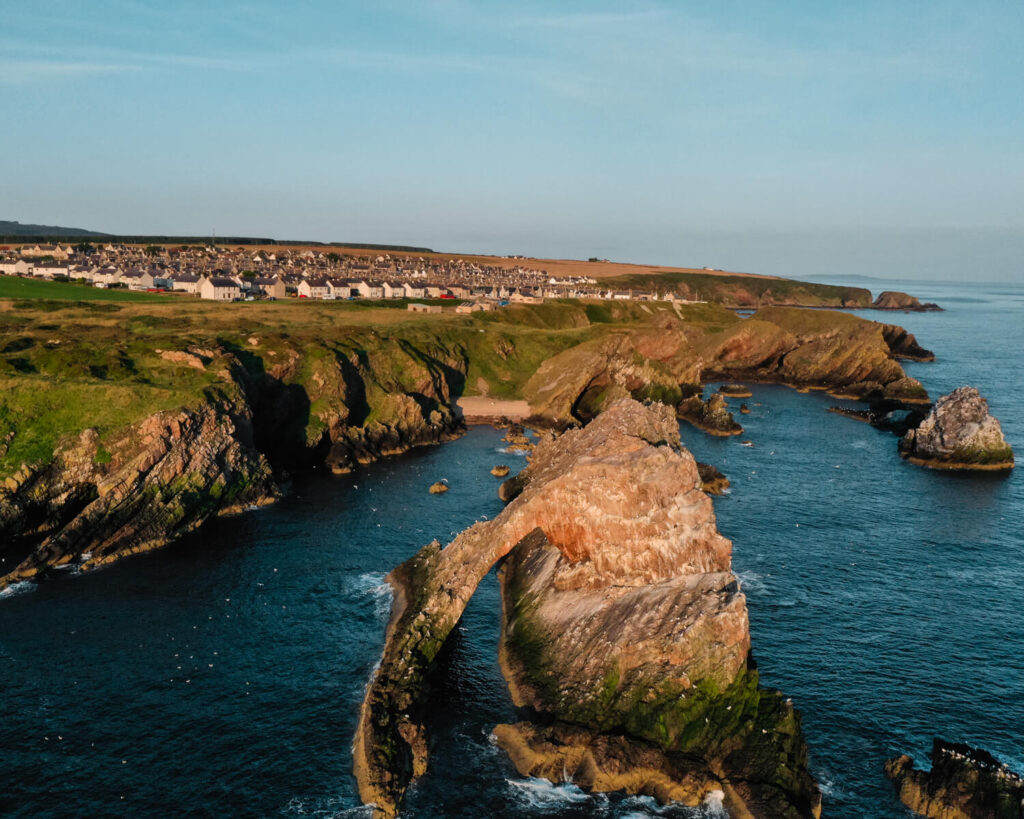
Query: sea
221,676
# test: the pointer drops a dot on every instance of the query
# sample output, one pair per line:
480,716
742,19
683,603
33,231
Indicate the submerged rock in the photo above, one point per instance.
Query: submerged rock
624,623
963,783
735,391
958,433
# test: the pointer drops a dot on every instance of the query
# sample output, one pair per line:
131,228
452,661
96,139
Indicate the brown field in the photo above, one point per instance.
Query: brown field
560,268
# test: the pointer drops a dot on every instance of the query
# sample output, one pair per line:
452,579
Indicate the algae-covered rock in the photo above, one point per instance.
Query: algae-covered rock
963,783
959,433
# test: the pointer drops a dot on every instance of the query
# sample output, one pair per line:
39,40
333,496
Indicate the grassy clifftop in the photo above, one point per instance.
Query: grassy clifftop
67,366
745,291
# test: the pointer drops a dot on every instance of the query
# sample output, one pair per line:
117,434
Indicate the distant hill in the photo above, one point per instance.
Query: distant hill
17,229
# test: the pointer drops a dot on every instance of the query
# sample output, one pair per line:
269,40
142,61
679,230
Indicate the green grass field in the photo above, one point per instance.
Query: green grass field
13,287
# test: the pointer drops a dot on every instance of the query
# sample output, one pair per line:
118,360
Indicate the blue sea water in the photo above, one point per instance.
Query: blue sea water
221,676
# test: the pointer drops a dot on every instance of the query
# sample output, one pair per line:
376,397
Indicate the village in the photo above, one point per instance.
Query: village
231,274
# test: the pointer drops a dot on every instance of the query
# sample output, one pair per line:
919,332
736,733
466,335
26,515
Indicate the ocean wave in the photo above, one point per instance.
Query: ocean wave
372,586
325,807
540,794
21,587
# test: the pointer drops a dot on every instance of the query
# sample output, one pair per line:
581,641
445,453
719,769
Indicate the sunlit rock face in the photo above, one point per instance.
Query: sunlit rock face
622,617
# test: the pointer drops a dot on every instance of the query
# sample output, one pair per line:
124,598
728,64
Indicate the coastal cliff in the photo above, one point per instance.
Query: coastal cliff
251,415
623,621
807,349
278,388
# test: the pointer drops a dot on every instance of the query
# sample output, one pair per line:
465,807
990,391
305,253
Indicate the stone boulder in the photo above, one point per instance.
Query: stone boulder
958,433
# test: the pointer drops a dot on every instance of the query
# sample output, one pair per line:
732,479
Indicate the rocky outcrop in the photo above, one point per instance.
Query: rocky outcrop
808,349
958,433
711,415
843,354
576,385
622,619
886,414
712,480
903,345
895,300
963,783
735,391
153,483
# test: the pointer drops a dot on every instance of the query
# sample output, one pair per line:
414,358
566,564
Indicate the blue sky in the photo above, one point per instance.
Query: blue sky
797,138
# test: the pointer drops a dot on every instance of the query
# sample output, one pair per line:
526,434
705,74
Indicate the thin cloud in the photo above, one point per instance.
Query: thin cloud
23,72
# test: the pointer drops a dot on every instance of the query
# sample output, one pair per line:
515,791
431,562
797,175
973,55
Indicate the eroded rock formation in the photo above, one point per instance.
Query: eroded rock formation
844,354
963,783
711,415
959,433
623,622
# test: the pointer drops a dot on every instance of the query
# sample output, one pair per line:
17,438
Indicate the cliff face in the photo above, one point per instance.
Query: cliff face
808,349
963,783
100,497
958,433
157,481
622,616
595,636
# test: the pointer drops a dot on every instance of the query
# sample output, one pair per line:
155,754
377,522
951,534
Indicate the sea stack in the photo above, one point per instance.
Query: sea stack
624,625
959,433
964,783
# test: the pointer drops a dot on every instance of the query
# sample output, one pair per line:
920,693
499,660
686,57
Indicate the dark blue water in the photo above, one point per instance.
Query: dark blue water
221,676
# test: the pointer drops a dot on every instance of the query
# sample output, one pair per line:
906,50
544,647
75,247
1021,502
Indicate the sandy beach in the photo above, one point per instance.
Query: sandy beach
481,409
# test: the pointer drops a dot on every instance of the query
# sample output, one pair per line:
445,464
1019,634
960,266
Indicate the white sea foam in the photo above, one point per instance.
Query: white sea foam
540,793
21,587
752,582
325,807
372,586
713,806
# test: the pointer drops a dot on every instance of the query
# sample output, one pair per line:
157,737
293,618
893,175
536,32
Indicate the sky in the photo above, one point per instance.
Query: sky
793,137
